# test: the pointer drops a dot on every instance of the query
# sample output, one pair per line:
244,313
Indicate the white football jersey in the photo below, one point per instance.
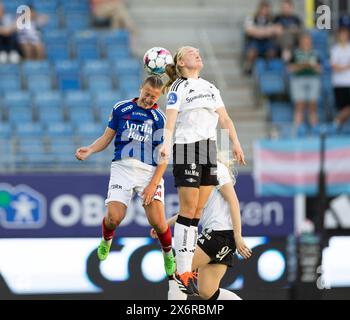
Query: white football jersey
196,100
216,214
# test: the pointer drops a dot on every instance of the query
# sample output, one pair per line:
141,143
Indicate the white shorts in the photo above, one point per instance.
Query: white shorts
129,176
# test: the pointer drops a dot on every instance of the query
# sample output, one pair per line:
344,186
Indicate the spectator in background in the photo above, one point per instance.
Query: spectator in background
8,38
340,60
291,26
30,38
305,81
115,11
260,32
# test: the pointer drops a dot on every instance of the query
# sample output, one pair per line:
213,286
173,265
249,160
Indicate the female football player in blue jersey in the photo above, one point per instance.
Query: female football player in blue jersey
137,127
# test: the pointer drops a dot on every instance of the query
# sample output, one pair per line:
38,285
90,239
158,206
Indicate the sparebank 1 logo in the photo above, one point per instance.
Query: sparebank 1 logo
21,207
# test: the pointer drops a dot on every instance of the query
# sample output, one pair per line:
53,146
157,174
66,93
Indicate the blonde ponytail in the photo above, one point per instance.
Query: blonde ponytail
170,70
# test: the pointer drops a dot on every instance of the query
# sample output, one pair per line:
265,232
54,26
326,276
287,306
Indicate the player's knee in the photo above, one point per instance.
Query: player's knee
114,218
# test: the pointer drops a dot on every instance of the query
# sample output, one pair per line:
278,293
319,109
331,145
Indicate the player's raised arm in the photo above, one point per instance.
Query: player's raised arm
99,145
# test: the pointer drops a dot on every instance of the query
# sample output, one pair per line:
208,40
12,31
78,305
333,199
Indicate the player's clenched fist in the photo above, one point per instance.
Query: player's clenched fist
83,153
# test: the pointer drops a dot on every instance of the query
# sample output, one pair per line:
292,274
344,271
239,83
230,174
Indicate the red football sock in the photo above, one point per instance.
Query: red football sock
107,233
165,240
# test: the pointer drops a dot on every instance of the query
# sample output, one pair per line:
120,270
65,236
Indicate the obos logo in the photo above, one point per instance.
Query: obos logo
172,98
21,207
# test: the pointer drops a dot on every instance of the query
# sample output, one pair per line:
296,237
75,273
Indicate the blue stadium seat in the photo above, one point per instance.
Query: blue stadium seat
12,83
39,83
48,100
281,112
99,83
20,115
76,6
57,51
50,115
60,130
90,129
31,145
130,93
9,70
78,99
68,75
77,21
29,129
127,67
114,37
271,83
53,22
116,52
30,68
104,102
81,115
96,68
129,83
5,131
17,99
57,36
87,52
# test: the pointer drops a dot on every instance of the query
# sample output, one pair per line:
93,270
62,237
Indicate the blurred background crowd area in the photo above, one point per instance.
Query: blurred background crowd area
60,78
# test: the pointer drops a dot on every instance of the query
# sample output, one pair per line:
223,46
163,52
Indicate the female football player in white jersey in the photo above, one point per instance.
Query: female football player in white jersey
194,109
221,236
137,127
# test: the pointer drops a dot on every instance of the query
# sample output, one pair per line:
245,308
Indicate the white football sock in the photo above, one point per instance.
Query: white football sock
192,242
181,239
174,292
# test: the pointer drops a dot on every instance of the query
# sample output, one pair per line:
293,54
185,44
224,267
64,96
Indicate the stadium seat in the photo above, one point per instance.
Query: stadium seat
60,129
129,83
57,51
48,100
78,99
116,52
9,70
281,112
58,36
96,68
20,115
81,115
29,129
104,102
12,83
50,115
31,146
68,76
17,99
90,129
114,37
272,83
39,83
77,21
127,67
30,68
99,83
5,132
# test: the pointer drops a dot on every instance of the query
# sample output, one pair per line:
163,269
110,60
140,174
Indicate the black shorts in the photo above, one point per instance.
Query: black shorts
220,246
195,164
342,97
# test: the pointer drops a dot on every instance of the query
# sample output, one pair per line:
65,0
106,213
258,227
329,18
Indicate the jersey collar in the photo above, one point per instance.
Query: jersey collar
153,108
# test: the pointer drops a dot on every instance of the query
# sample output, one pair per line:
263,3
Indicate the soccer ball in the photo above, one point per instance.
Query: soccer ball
156,59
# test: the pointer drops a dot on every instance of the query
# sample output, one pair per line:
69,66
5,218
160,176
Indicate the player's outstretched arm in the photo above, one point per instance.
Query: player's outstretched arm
229,194
100,144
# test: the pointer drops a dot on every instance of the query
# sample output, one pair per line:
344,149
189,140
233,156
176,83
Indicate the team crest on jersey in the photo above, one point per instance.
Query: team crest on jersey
172,98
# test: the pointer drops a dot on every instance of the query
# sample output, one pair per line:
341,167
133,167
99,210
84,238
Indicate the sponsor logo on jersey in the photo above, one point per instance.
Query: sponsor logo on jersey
191,91
136,113
172,98
135,130
223,253
191,180
207,96
154,115
127,108
21,207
